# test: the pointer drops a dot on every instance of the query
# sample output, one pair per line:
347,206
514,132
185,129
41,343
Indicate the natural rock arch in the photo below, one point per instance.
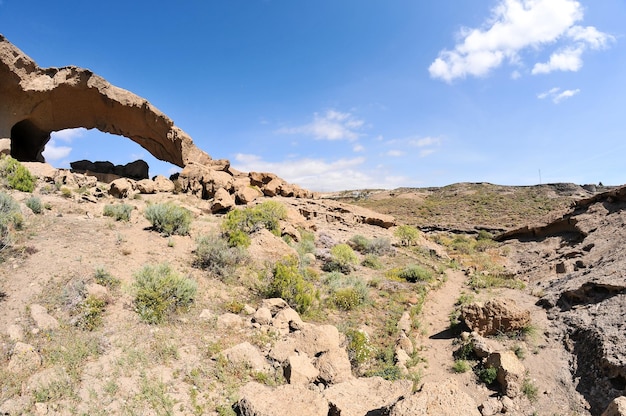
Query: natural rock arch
36,101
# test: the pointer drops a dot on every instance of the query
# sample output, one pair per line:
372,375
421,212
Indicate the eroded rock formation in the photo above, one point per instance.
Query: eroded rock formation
36,101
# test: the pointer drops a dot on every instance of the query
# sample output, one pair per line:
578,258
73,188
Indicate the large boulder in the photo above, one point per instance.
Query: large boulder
511,371
495,316
436,399
616,408
365,396
291,399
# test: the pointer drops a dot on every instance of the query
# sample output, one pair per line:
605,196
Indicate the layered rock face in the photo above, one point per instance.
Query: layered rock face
577,263
37,101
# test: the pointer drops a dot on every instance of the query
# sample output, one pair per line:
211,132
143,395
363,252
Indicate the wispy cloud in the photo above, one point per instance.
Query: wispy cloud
68,135
517,25
331,125
395,153
556,95
427,145
322,175
53,152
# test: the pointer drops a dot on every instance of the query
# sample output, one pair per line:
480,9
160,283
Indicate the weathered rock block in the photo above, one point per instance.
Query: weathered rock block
495,315
259,400
511,371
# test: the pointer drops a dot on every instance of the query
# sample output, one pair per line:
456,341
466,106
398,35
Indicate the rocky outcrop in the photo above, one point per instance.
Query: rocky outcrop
616,408
37,101
587,298
259,400
495,316
137,170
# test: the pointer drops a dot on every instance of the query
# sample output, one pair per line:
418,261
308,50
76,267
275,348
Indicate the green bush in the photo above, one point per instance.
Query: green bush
359,243
16,175
372,261
288,283
407,235
342,259
10,219
363,245
415,273
121,212
169,219
346,293
160,291
359,347
104,278
461,366
34,204
488,375
90,313
239,223
214,254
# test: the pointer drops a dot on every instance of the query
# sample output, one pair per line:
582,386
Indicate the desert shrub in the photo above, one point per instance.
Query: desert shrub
407,235
90,313
359,243
530,390
104,278
16,175
379,246
66,192
120,212
372,261
461,366
363,245
160,291
342,259
10,219
359,348
169,219
289,284
239,223
214,254
346,292
415,273
34,204
488,375
484,280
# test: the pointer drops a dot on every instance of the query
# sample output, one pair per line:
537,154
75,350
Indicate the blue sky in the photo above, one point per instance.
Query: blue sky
347,94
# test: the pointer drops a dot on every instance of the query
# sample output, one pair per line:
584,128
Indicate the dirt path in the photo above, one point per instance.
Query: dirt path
437,340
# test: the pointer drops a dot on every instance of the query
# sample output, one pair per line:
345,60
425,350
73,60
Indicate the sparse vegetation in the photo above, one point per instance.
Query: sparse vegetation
372,261
288,283
35,205
215,255
360,349
407,235
487,375
160,291
461,366
10,219
415,273
342,259
346,292
169,218
104,278
240,223
530,390
119,212
15,175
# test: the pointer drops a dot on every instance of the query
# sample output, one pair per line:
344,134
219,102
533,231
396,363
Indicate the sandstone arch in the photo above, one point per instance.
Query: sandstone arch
36,101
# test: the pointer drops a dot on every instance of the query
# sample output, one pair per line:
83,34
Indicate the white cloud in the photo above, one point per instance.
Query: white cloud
52,152
332,125
395,153
68,135
516,25
557,95
321,175
569,59
358,148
